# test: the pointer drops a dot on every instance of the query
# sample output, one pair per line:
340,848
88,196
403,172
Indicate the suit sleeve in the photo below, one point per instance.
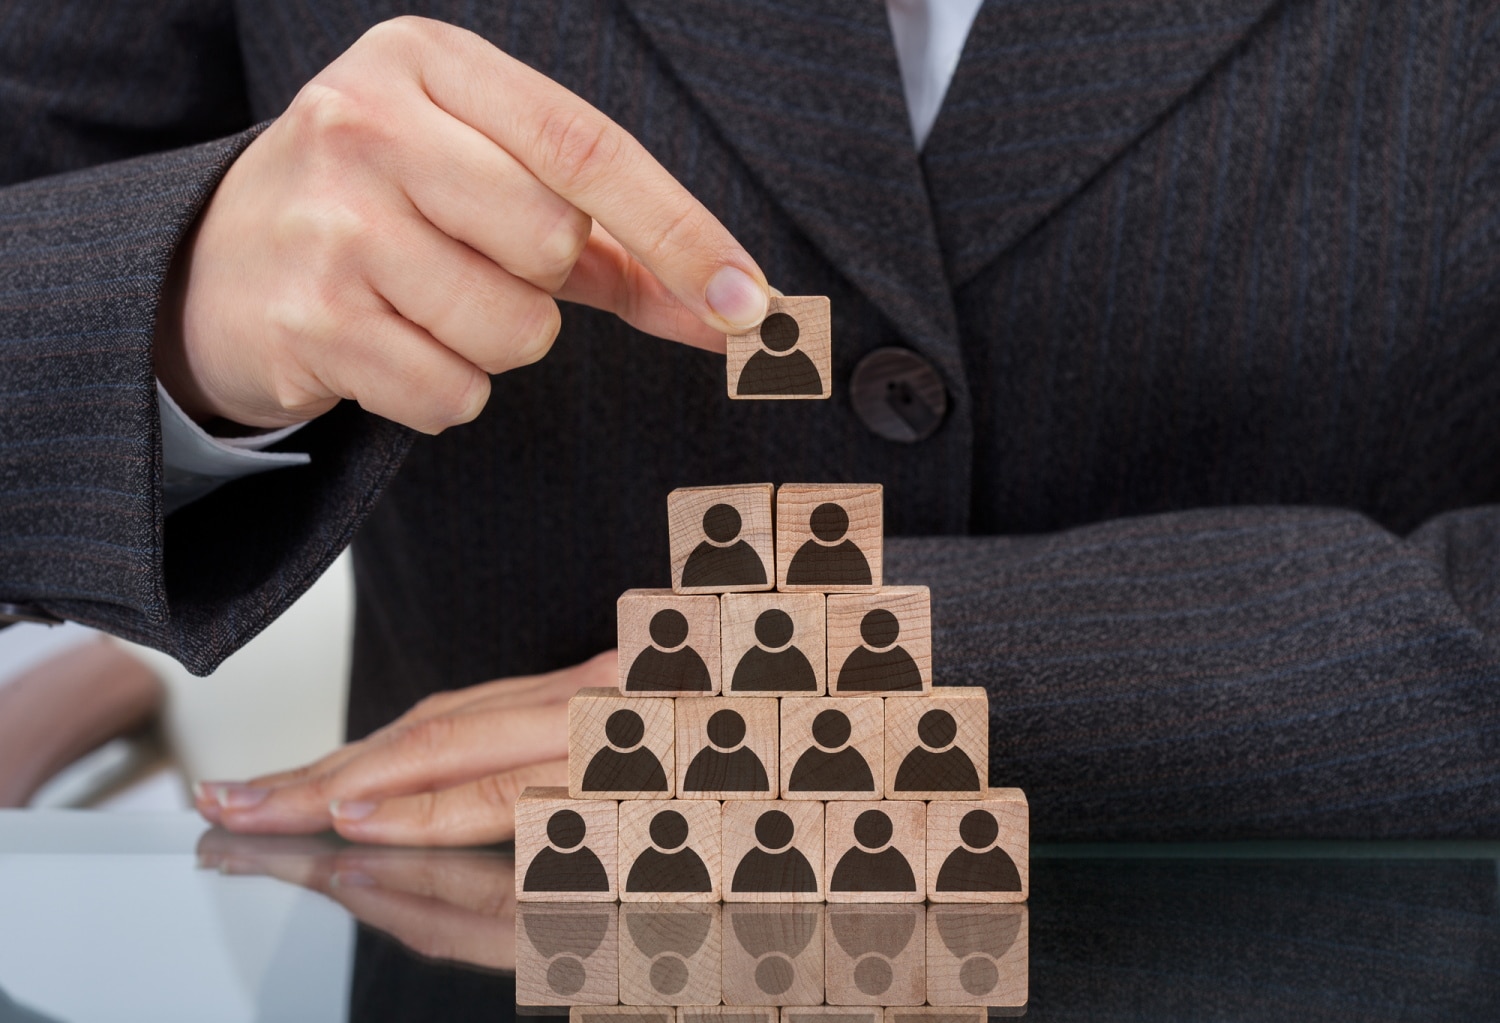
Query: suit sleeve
119,120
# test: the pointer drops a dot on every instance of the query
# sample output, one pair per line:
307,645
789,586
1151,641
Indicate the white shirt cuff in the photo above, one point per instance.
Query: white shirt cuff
194,463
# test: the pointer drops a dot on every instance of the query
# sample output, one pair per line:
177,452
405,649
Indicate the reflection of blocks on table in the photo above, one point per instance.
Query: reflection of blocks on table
831,1014
978,850
773,851
726,749
565,848
669,955
832,749
773,955
876,955
978,955
567,955
937,747
875,851
622,1014
722,538
829,537
669,850
789,356
728,1014
668,643
935,1014
619,747
880,642
774,644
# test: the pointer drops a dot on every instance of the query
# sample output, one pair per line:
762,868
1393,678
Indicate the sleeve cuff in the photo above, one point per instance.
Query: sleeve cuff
194,463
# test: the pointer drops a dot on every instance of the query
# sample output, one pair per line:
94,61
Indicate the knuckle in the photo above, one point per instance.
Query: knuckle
538,332
681,234
403,31
428,738
559,250
579,148
330,116
498,793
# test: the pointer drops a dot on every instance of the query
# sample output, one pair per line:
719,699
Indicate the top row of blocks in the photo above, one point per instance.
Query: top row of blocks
823,538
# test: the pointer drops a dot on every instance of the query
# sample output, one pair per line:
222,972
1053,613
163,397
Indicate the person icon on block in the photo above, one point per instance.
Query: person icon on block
566,865
937,765
830,558
624,765
873,865
831,765
669,865
774,665
774,865
725,764
723,559
785,372
978,864
880,665
669,664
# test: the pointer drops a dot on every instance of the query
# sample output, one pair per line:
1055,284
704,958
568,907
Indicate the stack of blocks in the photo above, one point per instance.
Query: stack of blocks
776,735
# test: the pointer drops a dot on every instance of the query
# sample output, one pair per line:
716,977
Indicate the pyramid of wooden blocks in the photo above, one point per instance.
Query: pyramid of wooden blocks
776,735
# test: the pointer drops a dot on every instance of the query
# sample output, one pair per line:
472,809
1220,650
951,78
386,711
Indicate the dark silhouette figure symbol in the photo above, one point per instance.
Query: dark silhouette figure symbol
566,940
933,768
775,936
879,665
624,765
669,664
978,865
725,764
669,940
873,865
566,865
775,865
824,560
873,939
775,665
722,559
781,373
669,866
826,767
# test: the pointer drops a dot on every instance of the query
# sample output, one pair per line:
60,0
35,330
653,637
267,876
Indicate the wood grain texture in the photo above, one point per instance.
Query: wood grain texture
566,849
832,749
829,537
620,747
727,748
938,747
670,850
934,1014
876,955
722,539
670,954
979,850
774,644
773,851
832,1014
773,955
875,851
978,955
728,1014
788,357
622,1014
880,642
567,954
668,643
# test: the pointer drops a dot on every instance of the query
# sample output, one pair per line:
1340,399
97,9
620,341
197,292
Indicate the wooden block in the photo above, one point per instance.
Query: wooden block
774,643
978,955
979,850
567,954
727,748
773,955
938,747
876,851
880,642
728,1014
790,355
832,1014
623,1014
668,643
669,955
669,850
876,955
934,1014
722,538
829,537
620,747
565,848
832,749
773,851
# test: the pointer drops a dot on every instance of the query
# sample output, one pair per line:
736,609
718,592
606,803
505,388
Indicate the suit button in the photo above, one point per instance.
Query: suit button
12,613
898,395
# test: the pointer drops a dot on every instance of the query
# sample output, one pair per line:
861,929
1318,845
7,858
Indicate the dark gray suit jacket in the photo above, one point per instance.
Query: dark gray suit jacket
1211,285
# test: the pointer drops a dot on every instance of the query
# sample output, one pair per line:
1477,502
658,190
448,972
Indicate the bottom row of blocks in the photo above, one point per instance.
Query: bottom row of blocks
579,850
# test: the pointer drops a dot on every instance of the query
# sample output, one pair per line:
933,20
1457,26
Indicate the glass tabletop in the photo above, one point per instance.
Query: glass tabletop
126,917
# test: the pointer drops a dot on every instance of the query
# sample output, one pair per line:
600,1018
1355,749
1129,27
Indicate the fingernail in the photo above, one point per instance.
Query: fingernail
737,298
351,879
241,797
352,809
